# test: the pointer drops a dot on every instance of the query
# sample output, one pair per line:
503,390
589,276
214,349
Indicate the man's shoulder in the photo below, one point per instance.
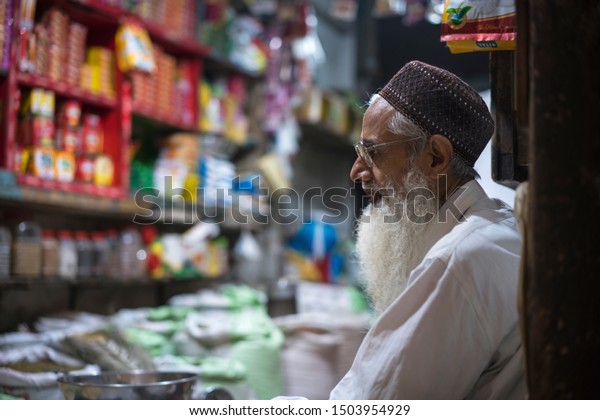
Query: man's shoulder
483,231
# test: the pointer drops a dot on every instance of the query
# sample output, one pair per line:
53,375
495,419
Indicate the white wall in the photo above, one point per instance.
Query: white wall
484,167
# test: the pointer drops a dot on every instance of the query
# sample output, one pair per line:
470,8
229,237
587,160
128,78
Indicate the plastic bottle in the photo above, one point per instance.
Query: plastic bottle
27,250
67,256
85,254
113,257
5,250
50,255
132,255
100,245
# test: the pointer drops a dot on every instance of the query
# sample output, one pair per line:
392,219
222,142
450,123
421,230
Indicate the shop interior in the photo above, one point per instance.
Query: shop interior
175,192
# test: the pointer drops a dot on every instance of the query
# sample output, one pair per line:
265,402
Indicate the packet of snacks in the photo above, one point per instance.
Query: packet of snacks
479,25
134,48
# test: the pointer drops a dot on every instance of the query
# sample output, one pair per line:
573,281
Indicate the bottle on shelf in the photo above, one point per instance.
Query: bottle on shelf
5,250
101,252
50,254
67,251
85,254
132,255
112,268
27,250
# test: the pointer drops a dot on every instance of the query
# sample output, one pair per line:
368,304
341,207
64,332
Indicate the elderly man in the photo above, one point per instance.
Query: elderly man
439,257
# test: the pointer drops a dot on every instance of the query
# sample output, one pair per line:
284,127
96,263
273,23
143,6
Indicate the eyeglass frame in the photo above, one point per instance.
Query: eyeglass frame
360,148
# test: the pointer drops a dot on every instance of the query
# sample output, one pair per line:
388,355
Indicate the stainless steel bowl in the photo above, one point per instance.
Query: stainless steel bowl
128,386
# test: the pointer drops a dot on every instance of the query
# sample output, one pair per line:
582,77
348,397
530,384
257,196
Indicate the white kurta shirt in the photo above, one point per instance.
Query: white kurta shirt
453,333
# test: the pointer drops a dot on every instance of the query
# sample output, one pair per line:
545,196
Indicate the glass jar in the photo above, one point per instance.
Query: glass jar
50,255
113,257
132,255
5,251
85,255
27,250
67,256
100,245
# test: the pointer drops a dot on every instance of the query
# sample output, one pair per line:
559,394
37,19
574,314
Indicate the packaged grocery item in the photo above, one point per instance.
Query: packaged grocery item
84,169
68,139
27,13
103,171
36,131
479,25
69,114
42,163
134,48
38,102
65,166
92,134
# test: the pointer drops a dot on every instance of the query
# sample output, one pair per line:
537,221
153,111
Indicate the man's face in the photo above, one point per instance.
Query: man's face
390,164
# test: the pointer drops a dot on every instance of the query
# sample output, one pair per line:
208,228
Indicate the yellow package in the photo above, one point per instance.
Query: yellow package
134,48
65,166
103,171
479,25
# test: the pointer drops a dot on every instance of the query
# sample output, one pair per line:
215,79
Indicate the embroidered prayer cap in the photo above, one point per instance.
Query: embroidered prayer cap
441,103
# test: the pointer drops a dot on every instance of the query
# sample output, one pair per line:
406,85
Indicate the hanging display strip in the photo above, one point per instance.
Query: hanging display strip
479,25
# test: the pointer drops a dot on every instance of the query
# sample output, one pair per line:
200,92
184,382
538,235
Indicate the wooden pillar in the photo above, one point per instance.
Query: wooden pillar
562,291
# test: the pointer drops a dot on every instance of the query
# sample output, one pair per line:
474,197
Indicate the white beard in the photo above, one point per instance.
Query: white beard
389,244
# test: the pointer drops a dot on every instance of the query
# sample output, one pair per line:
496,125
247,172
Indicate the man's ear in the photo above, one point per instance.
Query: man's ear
436,156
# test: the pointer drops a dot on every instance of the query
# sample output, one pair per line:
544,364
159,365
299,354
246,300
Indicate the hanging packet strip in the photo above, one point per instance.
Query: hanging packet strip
479,25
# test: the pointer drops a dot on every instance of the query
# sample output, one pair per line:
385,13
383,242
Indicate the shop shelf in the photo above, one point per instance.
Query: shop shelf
66,90
218,64
169,121
28,191
171,41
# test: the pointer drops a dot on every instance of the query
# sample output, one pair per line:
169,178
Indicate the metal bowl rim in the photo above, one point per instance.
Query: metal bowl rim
79,379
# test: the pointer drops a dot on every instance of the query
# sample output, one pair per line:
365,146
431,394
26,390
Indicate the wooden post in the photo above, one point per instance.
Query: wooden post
563,270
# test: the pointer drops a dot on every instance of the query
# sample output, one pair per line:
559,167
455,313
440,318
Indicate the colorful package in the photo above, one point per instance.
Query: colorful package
479,25
103,171
134,48
65,166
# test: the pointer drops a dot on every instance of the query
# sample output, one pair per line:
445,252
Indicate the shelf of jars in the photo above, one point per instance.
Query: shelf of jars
94,282
25,300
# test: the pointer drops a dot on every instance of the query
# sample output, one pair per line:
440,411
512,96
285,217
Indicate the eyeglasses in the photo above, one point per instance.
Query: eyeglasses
364,152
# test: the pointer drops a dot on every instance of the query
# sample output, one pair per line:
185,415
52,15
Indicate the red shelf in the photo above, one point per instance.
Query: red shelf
69,187
167,120
172,42
63,89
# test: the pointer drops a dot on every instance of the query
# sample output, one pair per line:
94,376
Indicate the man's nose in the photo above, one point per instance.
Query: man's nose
360,171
